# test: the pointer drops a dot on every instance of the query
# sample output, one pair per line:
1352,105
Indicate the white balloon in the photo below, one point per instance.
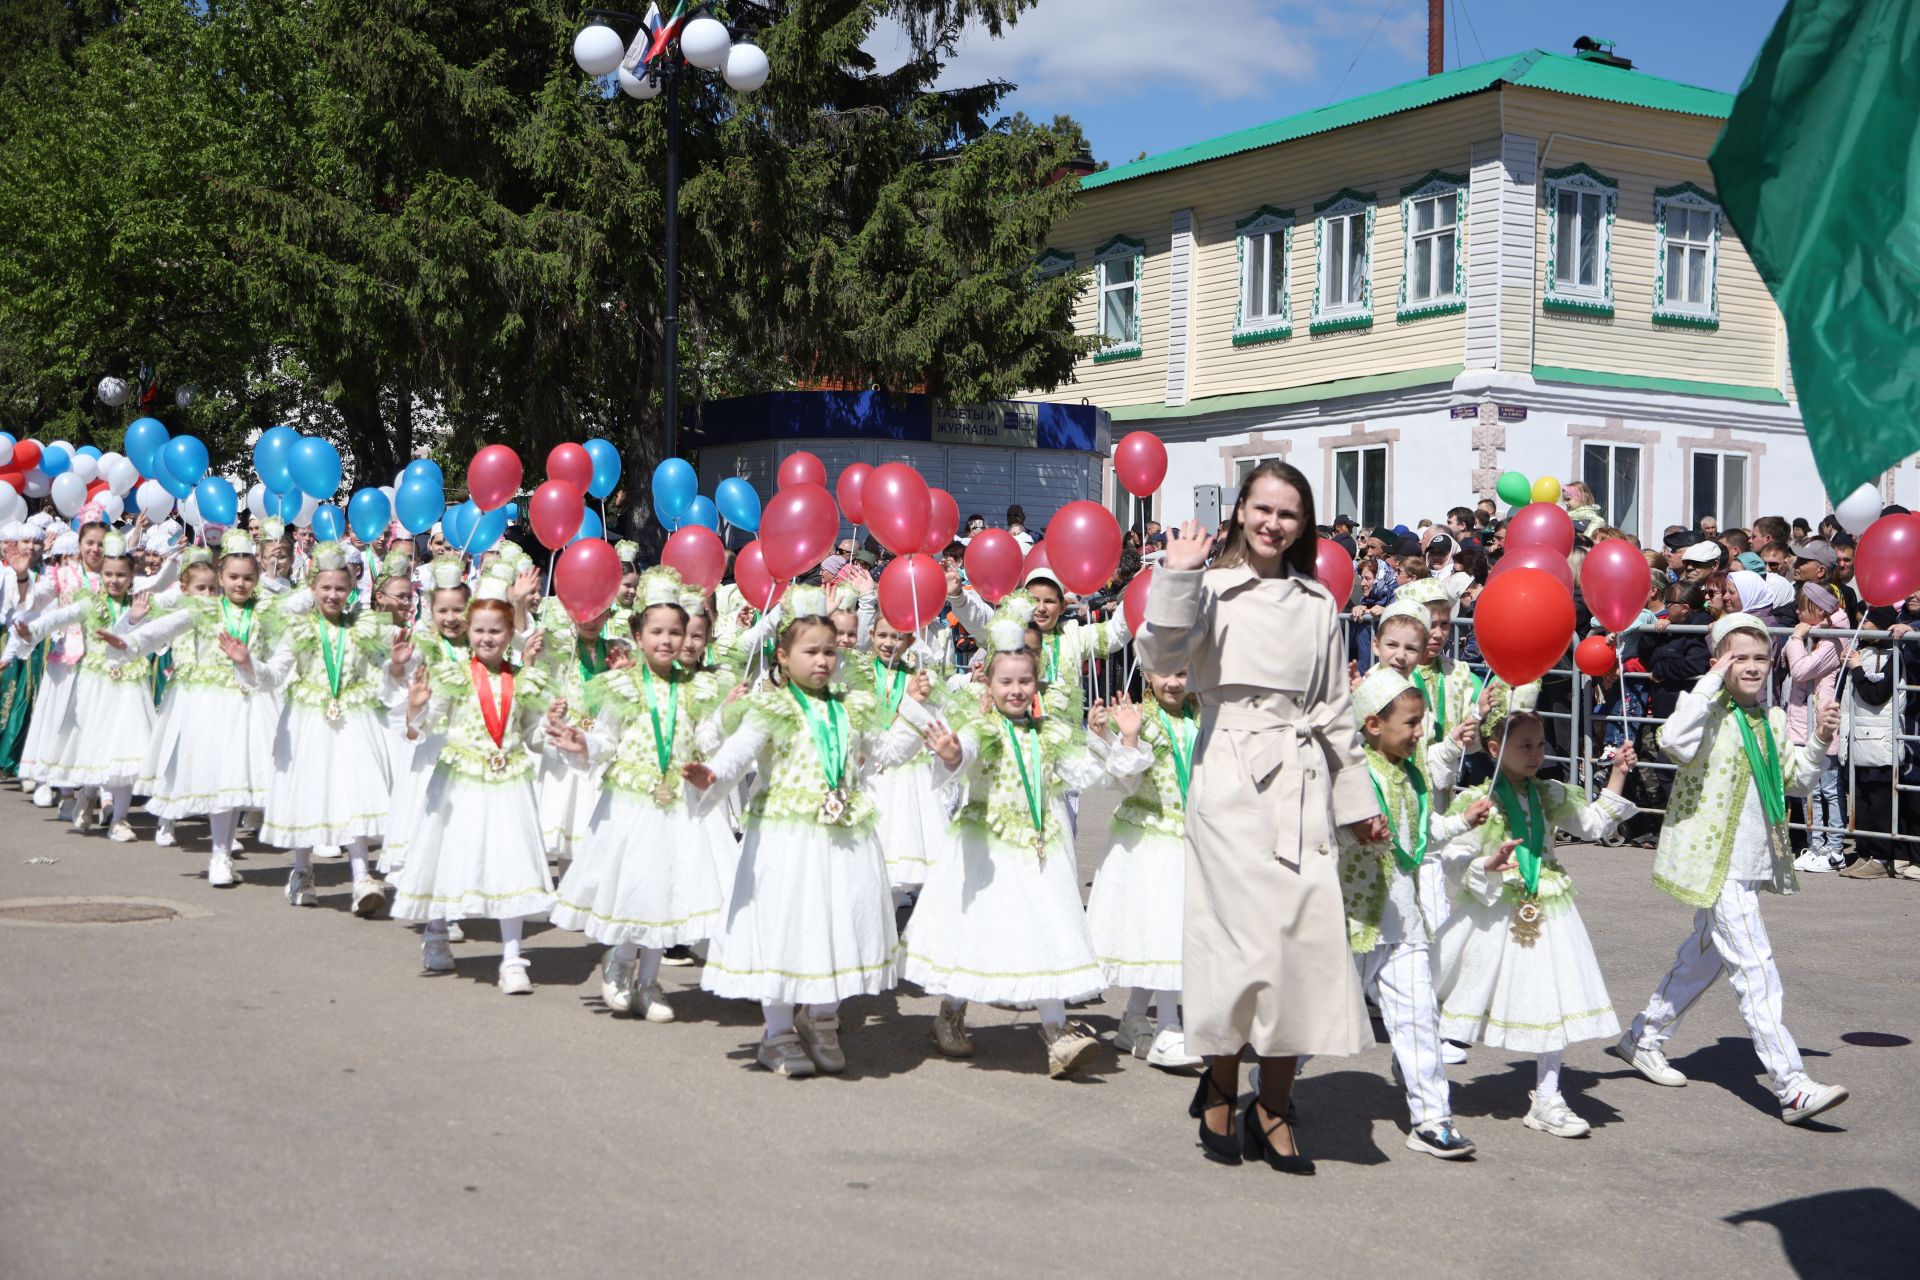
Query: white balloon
308,505
38,482
598,49
154,501
747,67
121,475
112,392
108,458
86,467
13,507
63,446
704,43
190,510
256,498
637,87
1859,510
6,452
112,505
184,397
69,493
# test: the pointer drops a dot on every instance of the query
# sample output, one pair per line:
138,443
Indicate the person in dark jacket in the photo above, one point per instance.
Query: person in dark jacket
1674,663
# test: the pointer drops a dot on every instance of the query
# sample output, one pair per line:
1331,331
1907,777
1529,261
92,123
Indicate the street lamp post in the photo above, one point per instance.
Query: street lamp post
665,52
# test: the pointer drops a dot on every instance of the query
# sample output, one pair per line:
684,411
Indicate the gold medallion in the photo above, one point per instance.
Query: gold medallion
335,712
667,791
1526,921
497,761
833,805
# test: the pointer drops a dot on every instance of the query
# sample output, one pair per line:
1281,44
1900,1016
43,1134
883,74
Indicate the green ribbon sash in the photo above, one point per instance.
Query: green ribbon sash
1180,742
333,656
890,698
1529,824
1029,783
1406,859
1765,766
662,741
829,733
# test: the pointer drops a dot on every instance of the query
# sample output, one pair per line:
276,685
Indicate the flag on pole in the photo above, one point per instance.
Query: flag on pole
1819,173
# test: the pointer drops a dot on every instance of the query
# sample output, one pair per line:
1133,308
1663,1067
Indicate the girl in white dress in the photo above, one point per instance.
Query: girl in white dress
573,654
809,920
330,783
644,876
1001,920
1514,969
915,831
438,642
476,851
73,567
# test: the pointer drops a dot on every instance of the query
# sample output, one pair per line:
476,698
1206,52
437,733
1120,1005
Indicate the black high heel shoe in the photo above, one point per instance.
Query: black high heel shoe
1255,1143
1224,1148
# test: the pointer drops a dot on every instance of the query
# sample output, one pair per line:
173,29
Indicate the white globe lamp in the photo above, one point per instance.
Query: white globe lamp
598,49
747,67
113,392
705,43
641,87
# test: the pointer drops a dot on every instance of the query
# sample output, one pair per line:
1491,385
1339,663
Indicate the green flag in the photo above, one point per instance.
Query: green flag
1819,172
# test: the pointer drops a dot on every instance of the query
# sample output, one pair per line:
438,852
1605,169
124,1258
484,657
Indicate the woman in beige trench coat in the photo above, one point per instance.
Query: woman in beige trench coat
1277,766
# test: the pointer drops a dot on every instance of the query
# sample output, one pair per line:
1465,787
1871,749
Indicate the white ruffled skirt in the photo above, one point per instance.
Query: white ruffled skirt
112,724
212,750
913,827
1134,911
52,723
329,783
1531,999
643,874
474,854
566,805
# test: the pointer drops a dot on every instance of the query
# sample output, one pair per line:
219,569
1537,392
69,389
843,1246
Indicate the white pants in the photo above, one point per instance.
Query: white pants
1729,937
1430,883
1400,976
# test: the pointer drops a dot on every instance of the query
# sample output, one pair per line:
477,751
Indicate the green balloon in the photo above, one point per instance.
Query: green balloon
1514,489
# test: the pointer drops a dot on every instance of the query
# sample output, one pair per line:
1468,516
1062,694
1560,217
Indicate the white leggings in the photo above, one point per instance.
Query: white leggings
779,1015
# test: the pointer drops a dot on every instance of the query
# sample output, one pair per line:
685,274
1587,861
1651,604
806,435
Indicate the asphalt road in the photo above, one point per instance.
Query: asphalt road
254,1091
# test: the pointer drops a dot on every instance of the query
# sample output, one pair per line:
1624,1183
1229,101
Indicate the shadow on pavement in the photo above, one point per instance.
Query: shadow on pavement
1868,1231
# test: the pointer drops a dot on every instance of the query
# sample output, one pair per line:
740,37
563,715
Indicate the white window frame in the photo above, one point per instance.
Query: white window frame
1265,240
1243,467
1435,186
1610,505
1727,520
1053,262
1595,299
1359,453
1671,311
1118,249
1328,318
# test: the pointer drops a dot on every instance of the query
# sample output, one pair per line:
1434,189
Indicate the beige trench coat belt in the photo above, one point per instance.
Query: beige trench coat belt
1285,745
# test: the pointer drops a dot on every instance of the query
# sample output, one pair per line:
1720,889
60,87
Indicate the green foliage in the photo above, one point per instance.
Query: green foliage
406,223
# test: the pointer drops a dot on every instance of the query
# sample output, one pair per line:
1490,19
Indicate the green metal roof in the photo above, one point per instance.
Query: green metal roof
1534,69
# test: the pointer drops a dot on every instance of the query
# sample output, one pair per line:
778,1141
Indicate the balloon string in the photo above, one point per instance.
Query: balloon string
1626,733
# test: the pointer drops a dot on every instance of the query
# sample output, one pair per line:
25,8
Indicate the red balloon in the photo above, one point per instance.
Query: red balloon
848,490
894,500
1133,604
803,468
1541,524
696,553
572,464
913,591
1614,581
493,477
1140,463
1535,557
587,578
1334,567
14,477
943,521
993,563
1085,546
1523,623
797,529
1035,559
760,589
555,511
1886,564
1596,656
26,455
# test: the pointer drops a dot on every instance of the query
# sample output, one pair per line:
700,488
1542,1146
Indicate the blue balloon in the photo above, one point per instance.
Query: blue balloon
328,523
738,503
590,527
314,465
91,450
424,469
456,526
674,489
417,504
487,531
218,503
54,461
270,457
185,459
142,446
701,511
368,512
606,467
513,511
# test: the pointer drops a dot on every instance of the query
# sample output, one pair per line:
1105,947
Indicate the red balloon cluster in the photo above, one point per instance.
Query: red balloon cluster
587,578
1524,619
912,590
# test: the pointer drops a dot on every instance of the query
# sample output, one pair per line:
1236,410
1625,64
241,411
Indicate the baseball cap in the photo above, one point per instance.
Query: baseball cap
1679,540
1701,553
1817,550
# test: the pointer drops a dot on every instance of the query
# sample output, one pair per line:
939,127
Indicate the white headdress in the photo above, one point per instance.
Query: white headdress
1404,608
694,601
114,545
67,544
327,556
1378,690
272,529
1733,622
802,601
629,552
235,542
659,585
446,573
491,588
1018,604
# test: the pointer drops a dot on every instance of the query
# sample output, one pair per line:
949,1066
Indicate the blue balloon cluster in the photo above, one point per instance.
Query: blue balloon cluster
292,469
677,500
466,528
420,496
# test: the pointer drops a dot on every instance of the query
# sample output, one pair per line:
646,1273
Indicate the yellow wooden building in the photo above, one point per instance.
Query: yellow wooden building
1519,265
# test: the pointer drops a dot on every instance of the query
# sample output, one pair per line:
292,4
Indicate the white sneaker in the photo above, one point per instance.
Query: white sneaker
1169,1052
75,811
650,1002
1552,1115
435,955
950,1031
784,1055
220,874
1650,1063
1452,1054
1135,1035
1811,863
616,982
300,889
454,932
1811,1100
820,1037
43,796
513,978
163,834
369,896
1067,1048
121,832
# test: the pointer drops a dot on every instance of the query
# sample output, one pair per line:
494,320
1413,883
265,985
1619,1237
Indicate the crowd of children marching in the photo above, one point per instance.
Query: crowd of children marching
778,791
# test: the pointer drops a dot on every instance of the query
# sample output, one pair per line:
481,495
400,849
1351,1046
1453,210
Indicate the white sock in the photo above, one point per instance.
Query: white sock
1053,1013
624,952
357,858
821,1011
1547,1075
303,861
510,930
779,1016
1167,1005
121,797
436,929
649,965
1138,1001
221,823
